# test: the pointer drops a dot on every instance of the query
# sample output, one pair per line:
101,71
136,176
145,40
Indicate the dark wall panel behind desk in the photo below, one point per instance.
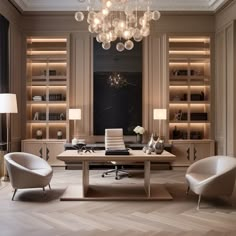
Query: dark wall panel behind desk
117,107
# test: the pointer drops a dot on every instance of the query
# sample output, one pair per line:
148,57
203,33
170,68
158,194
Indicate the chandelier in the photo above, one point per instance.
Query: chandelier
116,80
120,21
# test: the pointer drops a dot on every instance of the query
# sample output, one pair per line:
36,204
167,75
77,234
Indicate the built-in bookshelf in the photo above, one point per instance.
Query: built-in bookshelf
189,88
47,86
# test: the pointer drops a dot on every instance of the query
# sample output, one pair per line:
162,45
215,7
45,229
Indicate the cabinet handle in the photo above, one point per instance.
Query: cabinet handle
188,153
41,152
195,156
47,156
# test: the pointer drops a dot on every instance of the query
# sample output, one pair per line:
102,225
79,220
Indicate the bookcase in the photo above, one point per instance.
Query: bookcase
47,81
46,94
190,108
189,88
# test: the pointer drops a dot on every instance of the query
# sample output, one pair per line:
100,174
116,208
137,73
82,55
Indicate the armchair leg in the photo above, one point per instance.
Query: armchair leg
199,200
14,194
49,186
43,189
187,192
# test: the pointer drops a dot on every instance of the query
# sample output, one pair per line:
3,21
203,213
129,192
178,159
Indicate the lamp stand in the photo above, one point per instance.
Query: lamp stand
74,140
159,128
5,177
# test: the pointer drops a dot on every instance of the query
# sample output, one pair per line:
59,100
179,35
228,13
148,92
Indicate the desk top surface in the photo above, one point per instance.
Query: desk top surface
135,155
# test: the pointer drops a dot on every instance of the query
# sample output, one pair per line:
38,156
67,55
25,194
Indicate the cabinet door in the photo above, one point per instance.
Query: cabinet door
182,152
201,150
34,148
52,150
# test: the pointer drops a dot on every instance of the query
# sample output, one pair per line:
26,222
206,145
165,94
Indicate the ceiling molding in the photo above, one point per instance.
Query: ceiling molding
75,5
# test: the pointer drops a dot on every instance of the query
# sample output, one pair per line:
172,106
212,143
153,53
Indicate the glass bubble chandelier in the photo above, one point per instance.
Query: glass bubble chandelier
120,21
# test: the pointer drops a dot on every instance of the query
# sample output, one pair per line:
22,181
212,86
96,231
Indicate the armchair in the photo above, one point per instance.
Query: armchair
212,176
27,171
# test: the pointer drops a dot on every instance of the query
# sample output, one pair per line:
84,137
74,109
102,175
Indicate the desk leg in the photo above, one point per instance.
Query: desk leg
85,177
147,186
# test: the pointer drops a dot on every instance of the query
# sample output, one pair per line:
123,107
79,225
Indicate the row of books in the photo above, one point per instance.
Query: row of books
51,97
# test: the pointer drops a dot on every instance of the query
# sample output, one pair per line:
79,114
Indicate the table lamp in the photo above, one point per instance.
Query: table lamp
8,105
74,114
159,114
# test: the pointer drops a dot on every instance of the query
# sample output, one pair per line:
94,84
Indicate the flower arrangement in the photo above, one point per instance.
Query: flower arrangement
139,130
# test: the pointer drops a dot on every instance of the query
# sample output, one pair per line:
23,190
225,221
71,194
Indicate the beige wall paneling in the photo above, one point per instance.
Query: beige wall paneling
225,113
225,16
157,81
231,85
220,91
225,90
81,81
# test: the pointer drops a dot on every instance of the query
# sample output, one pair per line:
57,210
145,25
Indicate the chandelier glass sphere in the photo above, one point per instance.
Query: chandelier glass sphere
119,20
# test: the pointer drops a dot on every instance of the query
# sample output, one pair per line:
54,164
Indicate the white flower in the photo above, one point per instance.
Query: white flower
139,130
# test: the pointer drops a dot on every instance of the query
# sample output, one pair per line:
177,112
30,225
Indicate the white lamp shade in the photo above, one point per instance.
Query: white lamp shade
159,114
8,103
75,114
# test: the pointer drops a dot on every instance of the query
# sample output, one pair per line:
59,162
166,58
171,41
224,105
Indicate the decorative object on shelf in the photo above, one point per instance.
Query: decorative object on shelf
36,115
8,105
62,116
37,98
178,115
59,134
159,114
74,114
39,134
119,19
139,130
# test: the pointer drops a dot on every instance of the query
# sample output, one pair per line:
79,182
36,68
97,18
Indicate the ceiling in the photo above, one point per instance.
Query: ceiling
75,5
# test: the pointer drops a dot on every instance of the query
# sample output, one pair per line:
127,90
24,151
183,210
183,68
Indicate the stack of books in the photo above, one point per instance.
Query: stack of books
37,98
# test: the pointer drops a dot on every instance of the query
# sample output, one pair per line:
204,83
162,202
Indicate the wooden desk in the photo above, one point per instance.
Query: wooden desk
122,191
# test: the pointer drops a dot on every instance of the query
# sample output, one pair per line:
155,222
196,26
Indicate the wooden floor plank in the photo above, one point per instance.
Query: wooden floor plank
36,213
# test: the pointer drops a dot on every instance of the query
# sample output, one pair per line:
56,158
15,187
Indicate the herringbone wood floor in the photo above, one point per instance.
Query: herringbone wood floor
36,213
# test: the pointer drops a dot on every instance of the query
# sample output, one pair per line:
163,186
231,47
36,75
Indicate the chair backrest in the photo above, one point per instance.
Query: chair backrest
114,139
225,164
26,160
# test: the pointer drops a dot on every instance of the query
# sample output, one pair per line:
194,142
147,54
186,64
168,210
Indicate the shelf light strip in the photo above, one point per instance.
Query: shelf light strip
46,52
38,40
200,39
189,52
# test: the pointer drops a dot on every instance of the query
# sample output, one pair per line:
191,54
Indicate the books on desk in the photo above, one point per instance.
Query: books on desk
117,152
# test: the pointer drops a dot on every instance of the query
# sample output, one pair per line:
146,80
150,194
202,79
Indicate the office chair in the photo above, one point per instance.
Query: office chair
114,140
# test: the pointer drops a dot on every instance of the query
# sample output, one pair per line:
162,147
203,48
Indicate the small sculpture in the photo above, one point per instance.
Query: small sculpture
36,115
178,115
39,134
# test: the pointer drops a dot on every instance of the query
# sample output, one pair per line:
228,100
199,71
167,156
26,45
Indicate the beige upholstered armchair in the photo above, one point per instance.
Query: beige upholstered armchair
27,171
212,176
114,140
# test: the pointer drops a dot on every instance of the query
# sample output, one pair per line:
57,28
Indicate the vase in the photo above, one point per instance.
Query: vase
159,146
139,138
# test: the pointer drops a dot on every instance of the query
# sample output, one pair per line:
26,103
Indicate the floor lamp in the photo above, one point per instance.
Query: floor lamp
74,114
159,114
8,105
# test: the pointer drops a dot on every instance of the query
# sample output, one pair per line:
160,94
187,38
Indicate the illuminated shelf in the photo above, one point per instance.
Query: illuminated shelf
189,87
47,65
46,121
